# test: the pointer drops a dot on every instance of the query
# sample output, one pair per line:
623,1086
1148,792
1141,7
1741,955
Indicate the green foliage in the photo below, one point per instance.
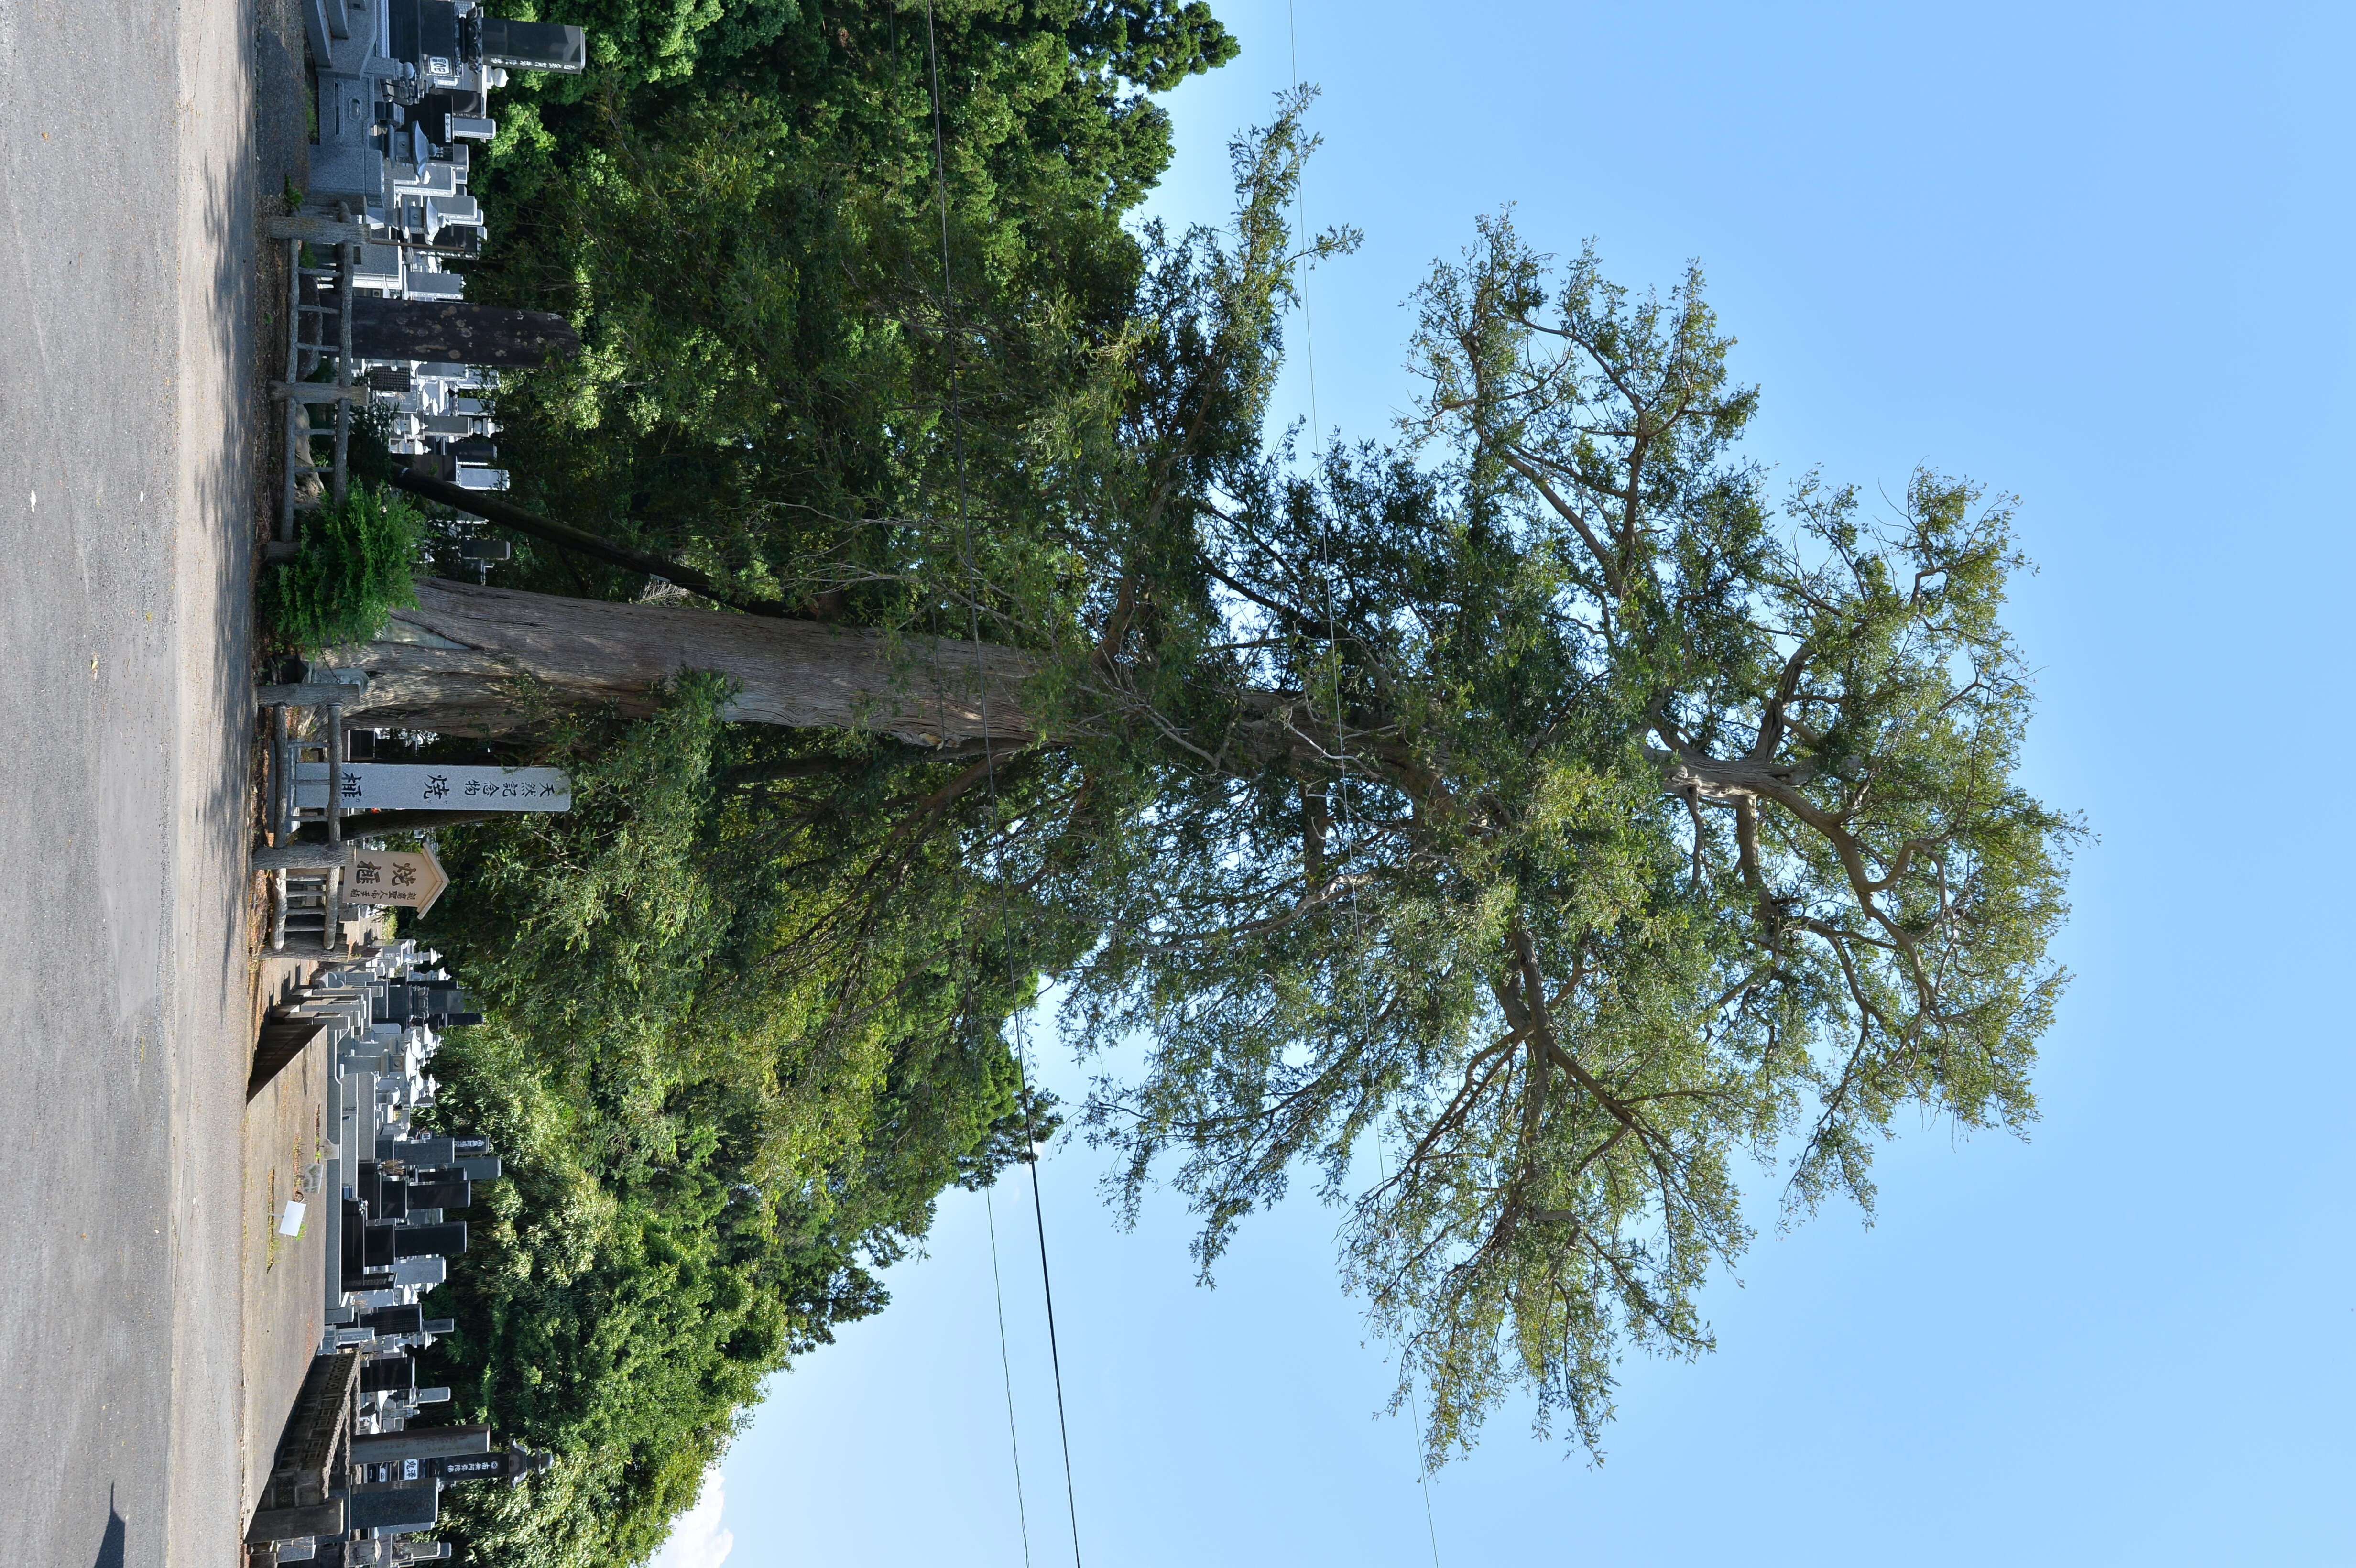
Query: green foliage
353,570
716,1130
1539,799
368,446
1542,803
748,993
1067,66
753,254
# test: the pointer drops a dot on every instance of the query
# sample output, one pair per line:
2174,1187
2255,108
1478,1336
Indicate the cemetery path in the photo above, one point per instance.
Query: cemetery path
128,224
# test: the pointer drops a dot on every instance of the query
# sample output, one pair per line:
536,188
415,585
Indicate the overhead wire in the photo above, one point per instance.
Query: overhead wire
989,771
1006,1374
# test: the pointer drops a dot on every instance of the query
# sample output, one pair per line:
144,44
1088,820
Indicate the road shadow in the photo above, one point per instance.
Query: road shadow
110,1545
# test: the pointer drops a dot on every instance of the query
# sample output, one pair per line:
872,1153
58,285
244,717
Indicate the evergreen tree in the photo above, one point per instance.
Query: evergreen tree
1539,799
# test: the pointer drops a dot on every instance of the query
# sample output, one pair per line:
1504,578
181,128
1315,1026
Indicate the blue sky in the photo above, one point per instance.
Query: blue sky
2097,256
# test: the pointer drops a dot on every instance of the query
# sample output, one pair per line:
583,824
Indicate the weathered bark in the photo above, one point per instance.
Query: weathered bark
1725,780
471,660
487,661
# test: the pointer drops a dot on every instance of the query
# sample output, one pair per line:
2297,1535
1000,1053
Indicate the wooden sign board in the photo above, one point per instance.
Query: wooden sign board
406,879
431,786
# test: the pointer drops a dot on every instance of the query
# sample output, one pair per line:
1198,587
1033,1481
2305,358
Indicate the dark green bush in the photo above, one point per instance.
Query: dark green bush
716,1137
355,568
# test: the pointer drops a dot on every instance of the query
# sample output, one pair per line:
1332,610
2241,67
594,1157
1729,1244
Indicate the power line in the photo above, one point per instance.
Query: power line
1415,1408
1006,1373
1423,1478
990,771
1055,1355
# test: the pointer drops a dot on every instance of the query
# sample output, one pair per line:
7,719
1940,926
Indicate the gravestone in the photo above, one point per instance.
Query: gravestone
394,1507
459,332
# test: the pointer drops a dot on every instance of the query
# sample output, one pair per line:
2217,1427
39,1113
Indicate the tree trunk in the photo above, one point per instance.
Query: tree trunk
459,331
471,660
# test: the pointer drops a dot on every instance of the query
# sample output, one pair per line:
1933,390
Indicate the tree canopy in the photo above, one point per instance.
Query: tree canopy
744,1027
1542,802
712,1149
745,224
1536,797
1525,824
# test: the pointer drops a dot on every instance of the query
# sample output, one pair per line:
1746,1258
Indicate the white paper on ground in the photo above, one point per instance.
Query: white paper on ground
290,1221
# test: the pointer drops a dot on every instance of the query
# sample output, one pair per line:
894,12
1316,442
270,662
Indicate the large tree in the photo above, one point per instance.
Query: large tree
1544,801
1537,811
744,1029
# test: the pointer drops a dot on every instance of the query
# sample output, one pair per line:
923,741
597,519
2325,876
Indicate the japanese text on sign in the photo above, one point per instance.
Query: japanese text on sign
382,787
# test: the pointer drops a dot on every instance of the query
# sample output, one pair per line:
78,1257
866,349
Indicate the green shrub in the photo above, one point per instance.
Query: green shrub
716,1135
368,457
354,569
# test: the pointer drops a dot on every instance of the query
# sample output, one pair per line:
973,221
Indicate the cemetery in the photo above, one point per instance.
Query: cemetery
358,1474
377,329
404,98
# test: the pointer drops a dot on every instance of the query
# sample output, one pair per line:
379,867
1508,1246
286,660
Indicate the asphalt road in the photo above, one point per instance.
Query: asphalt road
127,236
